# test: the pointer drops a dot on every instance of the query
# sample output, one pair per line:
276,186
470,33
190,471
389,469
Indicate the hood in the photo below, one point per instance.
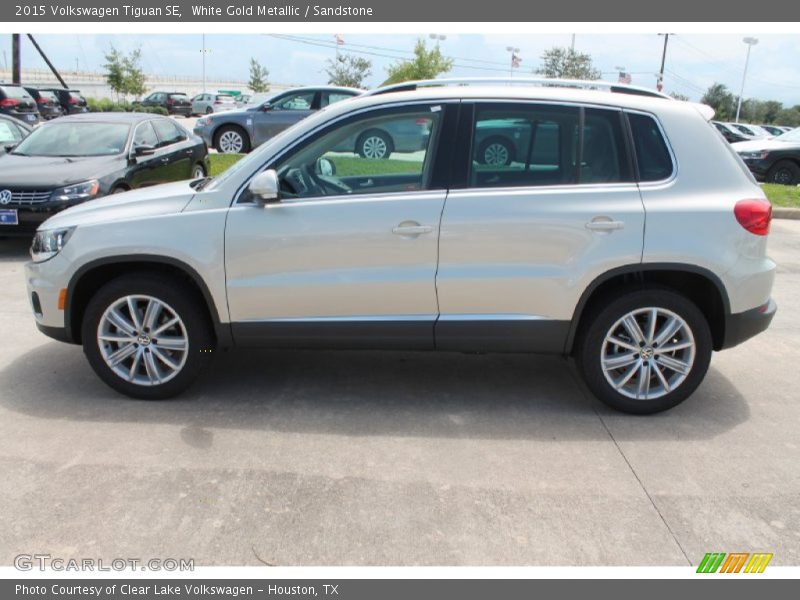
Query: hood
763,144
151,201
48,172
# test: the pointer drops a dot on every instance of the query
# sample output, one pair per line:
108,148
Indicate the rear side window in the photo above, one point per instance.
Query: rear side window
168,132
539,145
652,153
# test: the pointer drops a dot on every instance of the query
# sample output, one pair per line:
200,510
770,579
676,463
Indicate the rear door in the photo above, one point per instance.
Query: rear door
547,202
149,169
283,113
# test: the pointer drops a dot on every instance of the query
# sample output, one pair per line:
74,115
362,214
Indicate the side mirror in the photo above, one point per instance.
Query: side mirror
325,167
266,106
9,147
265,186
144,150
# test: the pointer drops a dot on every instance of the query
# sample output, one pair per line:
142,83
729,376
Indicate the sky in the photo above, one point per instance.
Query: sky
694,61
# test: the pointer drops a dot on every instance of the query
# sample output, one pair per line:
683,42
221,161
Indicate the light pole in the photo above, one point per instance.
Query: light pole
514,52
750,41
204,51
660,82
437,37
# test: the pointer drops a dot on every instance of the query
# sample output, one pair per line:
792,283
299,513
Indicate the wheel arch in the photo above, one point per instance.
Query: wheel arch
87,279
698,284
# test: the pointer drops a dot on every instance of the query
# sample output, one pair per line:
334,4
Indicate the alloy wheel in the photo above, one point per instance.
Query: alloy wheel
231,142
648,353
496,155
374,147
143,340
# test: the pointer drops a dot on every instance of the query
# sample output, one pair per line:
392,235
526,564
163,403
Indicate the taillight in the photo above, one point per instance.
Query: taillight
754,215
217,102
41,101
73,100
9,102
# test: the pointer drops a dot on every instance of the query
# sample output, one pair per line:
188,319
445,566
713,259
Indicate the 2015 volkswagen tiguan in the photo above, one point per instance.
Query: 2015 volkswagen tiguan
626,233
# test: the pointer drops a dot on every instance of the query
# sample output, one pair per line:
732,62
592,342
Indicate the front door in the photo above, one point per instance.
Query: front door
347,257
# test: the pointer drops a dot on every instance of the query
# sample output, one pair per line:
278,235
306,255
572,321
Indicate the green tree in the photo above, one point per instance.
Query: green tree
123,72
426,64
115,72
567,63
259,77
723,102
134,76
678,96
772,109
348,70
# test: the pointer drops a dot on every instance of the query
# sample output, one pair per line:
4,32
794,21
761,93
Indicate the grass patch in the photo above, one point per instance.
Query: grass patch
783,195
346,166
220,162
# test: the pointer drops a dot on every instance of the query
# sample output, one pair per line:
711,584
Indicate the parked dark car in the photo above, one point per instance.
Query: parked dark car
242,130
71,101
47,102
729,133
81,157
774,160
12,132
16,102
175,103
773,129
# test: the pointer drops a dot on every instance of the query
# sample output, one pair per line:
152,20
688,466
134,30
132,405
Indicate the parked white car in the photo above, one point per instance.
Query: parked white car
628,235
206,104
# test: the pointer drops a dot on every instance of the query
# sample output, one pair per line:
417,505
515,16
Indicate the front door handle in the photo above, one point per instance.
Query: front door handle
604,224
411,229
165,160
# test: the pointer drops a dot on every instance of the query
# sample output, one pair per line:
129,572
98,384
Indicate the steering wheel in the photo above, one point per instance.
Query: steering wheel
305,181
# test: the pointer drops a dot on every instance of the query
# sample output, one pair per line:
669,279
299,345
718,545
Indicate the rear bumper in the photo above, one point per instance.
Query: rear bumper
742,326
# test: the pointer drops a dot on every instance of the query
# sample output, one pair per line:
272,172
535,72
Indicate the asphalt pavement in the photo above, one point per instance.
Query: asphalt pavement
362,458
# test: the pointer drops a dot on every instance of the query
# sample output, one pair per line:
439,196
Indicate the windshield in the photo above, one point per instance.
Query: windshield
790,136
75,139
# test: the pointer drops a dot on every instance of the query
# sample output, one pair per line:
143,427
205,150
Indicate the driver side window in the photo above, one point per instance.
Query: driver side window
384,154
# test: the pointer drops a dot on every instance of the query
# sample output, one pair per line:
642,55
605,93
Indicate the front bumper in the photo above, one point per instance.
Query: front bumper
44,282
744,325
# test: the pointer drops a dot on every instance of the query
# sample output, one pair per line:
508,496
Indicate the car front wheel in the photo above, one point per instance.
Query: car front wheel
645,351
146,337
232,140
374,145
784,172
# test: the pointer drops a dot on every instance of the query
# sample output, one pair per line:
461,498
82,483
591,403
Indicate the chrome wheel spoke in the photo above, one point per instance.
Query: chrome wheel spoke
632,327
151,368
151,314
119,355
171,343
618,361
628,375
668,331
117,338
120,322
137,359
672,347
622,343
134,312
657,370
651,325
164,357
161,328
643,382
673,364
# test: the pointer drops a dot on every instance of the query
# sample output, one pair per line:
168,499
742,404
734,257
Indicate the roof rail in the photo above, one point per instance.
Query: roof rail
620,88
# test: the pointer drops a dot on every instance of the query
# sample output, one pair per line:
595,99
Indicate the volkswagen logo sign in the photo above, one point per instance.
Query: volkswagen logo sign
5,196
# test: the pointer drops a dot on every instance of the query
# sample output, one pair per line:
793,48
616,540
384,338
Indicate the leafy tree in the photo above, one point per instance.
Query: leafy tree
721,100
348,70
123,73
259,77
678,96
426,64
567,63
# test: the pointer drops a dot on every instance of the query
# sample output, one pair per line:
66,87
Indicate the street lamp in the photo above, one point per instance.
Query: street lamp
204,51
750,41
514,51
437,37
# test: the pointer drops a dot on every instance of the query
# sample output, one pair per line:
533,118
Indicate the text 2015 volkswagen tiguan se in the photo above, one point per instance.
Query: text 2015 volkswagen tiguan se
624,231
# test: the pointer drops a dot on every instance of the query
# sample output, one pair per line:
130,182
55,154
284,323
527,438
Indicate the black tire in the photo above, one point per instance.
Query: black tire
784,172
494,141
367,140
209,110
119,189
201,169
245,148
179,299
590,344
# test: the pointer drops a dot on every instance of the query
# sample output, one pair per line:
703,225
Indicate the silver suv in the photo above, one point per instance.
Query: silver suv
622,230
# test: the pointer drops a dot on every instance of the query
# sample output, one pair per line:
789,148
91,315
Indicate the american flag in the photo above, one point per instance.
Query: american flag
624,78
515,61
339,39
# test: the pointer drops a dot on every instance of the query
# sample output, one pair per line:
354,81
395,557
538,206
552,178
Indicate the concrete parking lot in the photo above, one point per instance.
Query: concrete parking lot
300,458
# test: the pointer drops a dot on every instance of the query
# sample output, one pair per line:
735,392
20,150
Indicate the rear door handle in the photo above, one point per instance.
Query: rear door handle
165,160
411,228
601,224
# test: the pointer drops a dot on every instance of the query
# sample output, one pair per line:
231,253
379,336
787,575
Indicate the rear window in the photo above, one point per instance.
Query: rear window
14,92
178,96
652,153
225,98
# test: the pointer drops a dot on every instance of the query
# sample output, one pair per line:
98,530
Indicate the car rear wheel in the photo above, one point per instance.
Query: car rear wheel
374,145
146,337
784,172
209,110
645,351
232,140
496,152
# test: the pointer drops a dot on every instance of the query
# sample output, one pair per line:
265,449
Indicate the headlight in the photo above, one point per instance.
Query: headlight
49,242
203,122
759,155
77,191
